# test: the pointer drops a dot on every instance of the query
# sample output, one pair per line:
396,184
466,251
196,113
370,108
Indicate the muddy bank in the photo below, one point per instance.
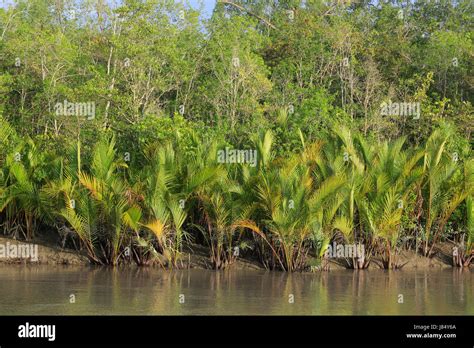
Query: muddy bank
196,256
410,260
38,253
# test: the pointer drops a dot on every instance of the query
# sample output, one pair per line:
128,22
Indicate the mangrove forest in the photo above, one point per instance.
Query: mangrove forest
269,131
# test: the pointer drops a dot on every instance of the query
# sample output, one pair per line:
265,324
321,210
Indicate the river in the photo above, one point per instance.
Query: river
58,290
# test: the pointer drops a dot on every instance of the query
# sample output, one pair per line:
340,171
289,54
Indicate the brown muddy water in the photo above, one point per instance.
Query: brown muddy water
48,290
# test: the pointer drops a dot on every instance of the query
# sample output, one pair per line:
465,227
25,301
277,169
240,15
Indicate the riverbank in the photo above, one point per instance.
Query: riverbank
46,254
197,257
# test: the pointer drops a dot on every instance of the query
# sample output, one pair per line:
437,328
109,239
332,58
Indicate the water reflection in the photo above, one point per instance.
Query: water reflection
144,291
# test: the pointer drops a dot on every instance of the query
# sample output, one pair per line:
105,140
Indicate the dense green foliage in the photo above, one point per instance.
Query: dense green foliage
300,82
